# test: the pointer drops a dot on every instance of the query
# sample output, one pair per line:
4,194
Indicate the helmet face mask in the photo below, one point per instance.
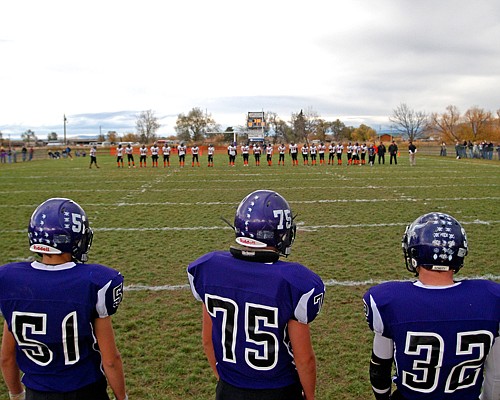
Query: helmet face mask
264,219
58,226
435,241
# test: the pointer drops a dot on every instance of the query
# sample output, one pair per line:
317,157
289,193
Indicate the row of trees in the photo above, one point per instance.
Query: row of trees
450,126
197,125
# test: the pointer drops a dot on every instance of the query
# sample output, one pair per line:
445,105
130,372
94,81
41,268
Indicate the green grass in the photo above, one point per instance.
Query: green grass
350,221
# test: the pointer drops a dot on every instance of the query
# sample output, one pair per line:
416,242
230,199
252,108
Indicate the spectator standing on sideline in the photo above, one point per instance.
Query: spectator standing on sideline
457,150
442,152
93,157
412,150
68,152
257,309
393,152
439,333
57,312
3,155
381,150
24,152
30,152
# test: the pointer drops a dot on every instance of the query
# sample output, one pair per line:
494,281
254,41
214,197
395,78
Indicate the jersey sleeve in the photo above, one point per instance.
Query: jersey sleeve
372,312
194,276
109,284
308,293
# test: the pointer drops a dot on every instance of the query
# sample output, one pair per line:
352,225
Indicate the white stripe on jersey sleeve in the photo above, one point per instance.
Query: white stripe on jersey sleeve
378,324
191,283
301,309
100,307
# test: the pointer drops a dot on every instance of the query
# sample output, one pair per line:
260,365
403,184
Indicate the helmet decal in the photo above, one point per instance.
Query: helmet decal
264,219
58,226
435,241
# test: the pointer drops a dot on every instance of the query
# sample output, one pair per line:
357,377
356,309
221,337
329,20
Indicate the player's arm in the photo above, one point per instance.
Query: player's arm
10,370
381,367
303,354
491,384
206,338
111,358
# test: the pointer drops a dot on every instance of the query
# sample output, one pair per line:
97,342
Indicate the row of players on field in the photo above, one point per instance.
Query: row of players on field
356,153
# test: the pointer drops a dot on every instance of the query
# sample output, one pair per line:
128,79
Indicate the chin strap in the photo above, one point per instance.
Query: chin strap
256,255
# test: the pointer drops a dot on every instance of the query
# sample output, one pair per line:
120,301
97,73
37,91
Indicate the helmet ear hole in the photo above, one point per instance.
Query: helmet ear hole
413,252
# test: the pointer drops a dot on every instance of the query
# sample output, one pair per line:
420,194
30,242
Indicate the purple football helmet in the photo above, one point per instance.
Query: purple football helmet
58,226
263,219
435,241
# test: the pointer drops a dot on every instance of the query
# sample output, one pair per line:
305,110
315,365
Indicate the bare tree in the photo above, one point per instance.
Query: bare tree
147,124
28,135
409,121
478,120
447,122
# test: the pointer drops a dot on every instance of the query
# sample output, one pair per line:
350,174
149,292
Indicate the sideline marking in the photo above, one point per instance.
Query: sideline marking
300,227
329,282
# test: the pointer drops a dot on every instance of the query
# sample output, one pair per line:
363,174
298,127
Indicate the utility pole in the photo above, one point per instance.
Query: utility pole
65,129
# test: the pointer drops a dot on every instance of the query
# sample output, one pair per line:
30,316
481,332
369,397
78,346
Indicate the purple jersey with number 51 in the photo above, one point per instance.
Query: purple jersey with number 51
50,310
250,304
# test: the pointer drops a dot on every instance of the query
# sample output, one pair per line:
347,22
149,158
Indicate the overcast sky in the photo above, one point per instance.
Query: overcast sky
102,62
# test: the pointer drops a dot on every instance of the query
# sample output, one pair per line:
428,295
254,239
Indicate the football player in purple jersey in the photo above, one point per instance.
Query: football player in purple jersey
441,334
257,309
57,312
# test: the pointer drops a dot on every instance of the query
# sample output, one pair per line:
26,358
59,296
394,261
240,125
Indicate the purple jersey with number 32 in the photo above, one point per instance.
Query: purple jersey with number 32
441,336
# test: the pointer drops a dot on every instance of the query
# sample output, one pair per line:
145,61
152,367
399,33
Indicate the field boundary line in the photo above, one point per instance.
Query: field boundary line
328,283
300,227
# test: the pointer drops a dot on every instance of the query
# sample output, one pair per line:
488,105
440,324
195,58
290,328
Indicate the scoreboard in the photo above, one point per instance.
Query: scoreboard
255,120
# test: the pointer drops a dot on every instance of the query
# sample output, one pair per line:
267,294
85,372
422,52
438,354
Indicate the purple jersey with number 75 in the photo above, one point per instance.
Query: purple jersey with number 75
250,304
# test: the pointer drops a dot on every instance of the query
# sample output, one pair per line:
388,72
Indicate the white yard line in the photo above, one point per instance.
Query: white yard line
329,283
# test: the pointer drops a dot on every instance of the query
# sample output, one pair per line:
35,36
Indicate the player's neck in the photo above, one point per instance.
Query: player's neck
435,278
56,259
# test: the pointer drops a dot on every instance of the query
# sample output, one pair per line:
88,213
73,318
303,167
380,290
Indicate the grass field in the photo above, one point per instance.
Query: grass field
150,223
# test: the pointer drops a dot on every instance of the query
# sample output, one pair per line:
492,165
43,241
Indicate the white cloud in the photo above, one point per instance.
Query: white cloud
354,60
